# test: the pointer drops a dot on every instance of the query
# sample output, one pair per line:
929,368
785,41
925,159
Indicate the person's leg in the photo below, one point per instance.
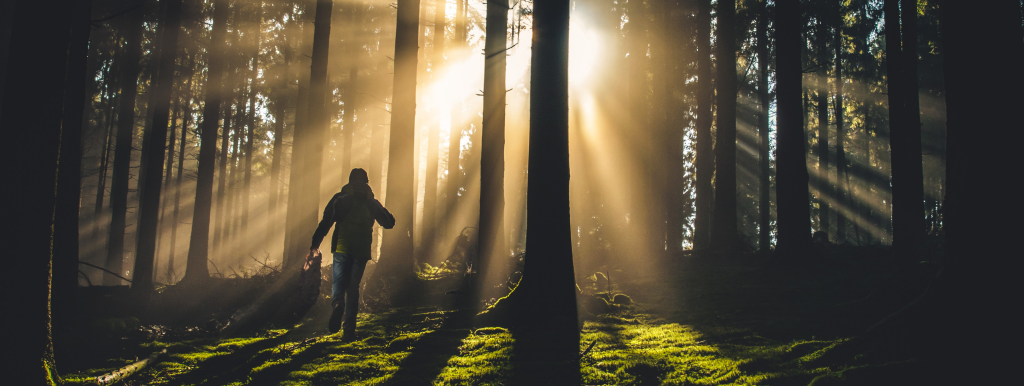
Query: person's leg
352,296
342,266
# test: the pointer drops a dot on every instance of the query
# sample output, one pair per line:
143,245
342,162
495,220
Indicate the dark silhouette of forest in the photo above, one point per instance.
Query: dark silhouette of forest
584,191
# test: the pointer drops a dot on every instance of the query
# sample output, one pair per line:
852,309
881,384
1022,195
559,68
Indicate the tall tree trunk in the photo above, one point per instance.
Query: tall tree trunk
429,222
822,180
33,106
105,158
172,276
255,31
842,185
907,174
222,174
69,188
307,156
275,163
196,269
724,233
548,282
396,261
982,51
351,94
123,148
764,242
151,168
492,157
656,173
678,28
792,207
704,161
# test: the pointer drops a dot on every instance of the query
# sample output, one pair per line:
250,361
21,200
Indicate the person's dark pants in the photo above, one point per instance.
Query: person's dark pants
348,272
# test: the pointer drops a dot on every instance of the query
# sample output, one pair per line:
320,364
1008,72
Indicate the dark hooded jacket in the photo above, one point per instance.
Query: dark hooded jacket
353,210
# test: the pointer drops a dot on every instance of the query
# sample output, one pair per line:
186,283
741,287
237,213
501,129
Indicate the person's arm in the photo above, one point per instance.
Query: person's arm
382,215
324,226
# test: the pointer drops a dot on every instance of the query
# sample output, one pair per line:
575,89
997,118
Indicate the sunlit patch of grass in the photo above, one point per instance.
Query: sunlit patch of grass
640,349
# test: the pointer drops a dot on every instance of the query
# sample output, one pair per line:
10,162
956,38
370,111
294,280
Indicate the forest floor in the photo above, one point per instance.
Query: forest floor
699,320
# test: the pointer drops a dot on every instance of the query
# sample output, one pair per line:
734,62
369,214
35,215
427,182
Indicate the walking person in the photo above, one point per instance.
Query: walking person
353,210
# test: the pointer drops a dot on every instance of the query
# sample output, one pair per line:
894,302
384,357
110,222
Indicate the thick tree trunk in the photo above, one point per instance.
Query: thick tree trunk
982,51
33,106
196,269
548,279
764,185
792,207
724,233
907,172
151,168
704,161
396,261
123,148
307,156
492,156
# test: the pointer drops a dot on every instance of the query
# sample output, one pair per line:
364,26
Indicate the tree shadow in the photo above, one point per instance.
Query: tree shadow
429,356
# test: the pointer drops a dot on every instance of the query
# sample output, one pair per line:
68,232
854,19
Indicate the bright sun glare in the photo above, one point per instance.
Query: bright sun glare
583,49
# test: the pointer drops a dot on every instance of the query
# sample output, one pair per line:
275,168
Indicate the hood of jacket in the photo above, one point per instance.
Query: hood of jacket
358,189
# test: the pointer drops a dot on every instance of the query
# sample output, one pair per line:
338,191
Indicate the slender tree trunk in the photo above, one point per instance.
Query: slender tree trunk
222,176
33,106
255,31
429,223
351,93
842,185
150,170
822,180
907,174
764,185
724,233
105,158
123,148
307,156
198,252
704,161
396,261
275,163
656,158
792,207
678,28
69,188
171,273
231,202
548,279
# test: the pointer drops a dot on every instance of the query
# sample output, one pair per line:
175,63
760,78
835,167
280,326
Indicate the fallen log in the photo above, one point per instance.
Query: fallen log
127,371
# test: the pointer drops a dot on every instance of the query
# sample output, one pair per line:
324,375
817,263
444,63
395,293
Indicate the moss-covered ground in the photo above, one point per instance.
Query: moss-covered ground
696,321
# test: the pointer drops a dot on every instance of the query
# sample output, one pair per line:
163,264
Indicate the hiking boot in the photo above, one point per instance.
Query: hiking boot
334,324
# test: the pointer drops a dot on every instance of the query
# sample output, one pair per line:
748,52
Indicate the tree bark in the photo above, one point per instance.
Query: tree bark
151,168
196,269
842,179
492,151
33,106
764,185
548,279
724,233
255,31
704,161
429,222
69,188
307,156
792,207
171,273
822,180
396,261
907,171
123,147
982,51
